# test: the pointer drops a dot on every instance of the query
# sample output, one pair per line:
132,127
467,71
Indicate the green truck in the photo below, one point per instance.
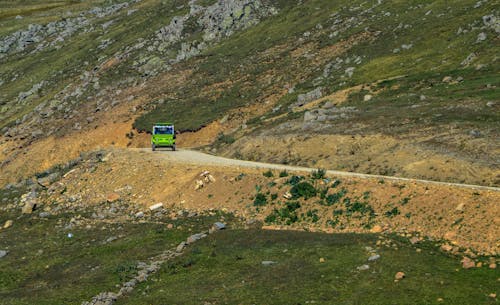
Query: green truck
163,135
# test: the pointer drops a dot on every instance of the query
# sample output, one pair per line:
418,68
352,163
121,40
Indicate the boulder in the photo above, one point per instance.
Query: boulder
8,224
112,197
3,253
191,239
399,276
467,263
155,207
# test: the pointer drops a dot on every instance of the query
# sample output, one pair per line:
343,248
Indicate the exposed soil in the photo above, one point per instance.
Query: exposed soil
466,217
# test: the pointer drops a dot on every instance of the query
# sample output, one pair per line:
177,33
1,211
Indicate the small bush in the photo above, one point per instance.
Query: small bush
268,174
295,180
336,183
318,174
335,198
312,215
283,174
286,214
303,189
260,200
274,196
226,139
392,213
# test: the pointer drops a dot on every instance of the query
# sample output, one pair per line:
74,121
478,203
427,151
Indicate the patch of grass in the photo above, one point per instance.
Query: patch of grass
236,274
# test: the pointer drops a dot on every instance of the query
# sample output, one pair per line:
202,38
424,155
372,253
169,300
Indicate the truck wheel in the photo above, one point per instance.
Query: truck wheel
173,147
153,147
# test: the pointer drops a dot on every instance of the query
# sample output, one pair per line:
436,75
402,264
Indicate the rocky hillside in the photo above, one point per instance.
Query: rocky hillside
407,89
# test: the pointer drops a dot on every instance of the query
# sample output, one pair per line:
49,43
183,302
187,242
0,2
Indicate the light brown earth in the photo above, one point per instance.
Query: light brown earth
466,217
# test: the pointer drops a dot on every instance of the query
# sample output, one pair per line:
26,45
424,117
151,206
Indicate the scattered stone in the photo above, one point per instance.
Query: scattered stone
447,79
309,96
28,207
367,97
399,276
181,246
287,195
268,263
481,37
112,197
48,180
460,207
155,207
376,229
199,185
44,214
423,97
139,214
446,248
475,133
374,257
363,267
440,299
8,224
321,260
414,240
191,239
467,61
219,226
467,263
490,104
492,295
493,266
170,226
3,253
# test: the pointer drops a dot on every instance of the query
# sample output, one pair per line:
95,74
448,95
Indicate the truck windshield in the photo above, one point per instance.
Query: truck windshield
163,130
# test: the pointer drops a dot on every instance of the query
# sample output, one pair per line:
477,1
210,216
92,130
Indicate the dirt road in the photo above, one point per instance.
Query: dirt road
199,158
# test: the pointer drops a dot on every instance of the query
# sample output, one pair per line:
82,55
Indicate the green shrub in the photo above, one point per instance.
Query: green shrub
312,215
226,139
335,198
283,174
303,189
392,213
260,200
287,214
336,183
268,174
295,180
318,174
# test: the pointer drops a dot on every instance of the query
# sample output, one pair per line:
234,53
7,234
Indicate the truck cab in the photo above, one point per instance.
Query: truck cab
163,135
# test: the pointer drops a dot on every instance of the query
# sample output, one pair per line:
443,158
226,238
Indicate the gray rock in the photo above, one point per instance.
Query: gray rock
139,214
467,61
181,246
219,226
191,239
475,133
44,214
309,96
481,37
3,253
363,267
374,257
309,116
268,263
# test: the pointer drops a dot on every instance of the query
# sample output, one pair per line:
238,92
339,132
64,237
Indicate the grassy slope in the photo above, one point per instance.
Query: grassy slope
227,269
436,51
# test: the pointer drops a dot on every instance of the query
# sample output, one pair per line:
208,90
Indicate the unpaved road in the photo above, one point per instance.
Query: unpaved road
198,158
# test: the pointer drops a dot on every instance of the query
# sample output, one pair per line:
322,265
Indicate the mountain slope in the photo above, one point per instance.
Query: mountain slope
416,82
